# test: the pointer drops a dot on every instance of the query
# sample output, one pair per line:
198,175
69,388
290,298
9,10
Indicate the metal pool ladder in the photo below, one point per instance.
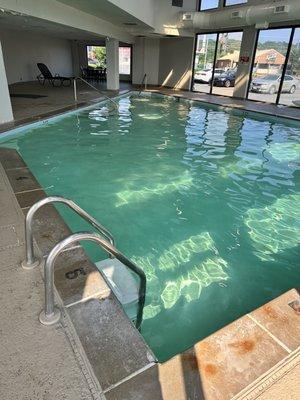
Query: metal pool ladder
31,261
78,78
50,315
144,82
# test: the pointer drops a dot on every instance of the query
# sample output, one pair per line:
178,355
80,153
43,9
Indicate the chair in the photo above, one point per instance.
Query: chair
55,80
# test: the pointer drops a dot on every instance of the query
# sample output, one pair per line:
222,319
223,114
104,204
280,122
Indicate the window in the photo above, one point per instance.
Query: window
96,56
227,59
234,2
216,61
290,91
204,62
208,4
125,60
269,64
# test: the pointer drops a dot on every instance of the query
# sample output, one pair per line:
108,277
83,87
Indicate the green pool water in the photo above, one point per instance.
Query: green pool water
205,201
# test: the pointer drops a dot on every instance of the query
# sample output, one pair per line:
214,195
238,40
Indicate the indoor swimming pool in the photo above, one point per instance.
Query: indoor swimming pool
206,201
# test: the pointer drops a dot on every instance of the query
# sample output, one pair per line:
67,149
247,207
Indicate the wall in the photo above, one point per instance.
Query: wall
145,60
159,14
23,50
168,17
6,113
175,66
140,9
244,70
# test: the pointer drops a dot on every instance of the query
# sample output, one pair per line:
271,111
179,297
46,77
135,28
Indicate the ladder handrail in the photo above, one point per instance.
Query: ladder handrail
50,315
143,80
93,87
31,261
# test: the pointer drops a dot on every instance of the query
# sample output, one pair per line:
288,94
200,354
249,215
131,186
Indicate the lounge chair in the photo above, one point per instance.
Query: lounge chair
55,80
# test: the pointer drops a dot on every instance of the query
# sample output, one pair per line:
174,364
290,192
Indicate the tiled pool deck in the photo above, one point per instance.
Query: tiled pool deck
229,102
95,352
52,101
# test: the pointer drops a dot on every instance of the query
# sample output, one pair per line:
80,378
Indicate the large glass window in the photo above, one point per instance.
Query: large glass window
216,61
204,62
125,60
96,56
97,59
234,2
290,92
269,61
208,4
228,54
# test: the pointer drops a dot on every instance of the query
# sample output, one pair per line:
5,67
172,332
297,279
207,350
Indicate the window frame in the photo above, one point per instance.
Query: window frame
284,69
207,9
215,56
234,5
221,4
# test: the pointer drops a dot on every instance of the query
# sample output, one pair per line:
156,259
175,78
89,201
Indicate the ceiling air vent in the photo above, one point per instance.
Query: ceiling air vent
236,14
177,3
187,17
281,9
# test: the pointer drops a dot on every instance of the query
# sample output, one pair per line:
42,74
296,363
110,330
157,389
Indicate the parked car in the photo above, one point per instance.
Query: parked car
205,76
270,84
226,79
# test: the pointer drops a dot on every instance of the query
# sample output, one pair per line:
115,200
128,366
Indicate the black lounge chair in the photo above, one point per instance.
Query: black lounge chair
55,80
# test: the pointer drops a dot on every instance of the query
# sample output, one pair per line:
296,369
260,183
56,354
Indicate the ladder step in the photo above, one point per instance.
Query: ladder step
123,283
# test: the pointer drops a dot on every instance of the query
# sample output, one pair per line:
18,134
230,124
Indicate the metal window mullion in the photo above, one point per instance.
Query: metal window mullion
252,63
194,62
214,65
287,57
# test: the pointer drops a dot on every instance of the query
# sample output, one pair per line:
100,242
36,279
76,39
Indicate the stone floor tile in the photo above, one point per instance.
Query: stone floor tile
145,386
281,319
10,158
235,356
112,344
49,228
27,199
177,378
21,179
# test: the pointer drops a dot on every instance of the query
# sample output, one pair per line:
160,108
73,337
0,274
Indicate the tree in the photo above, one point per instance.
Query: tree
100,54
294,60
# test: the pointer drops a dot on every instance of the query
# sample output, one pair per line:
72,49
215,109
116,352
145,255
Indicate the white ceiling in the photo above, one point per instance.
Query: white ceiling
104,9
31,24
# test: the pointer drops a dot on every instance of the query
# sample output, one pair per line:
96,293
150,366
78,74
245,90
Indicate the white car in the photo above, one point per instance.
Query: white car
205,76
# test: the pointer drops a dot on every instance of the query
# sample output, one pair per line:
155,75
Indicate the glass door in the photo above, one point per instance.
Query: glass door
290,91
204,62
268,65
227,59
215,62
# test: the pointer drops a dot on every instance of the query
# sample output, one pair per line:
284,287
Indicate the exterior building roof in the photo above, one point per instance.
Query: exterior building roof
269,56
231,56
